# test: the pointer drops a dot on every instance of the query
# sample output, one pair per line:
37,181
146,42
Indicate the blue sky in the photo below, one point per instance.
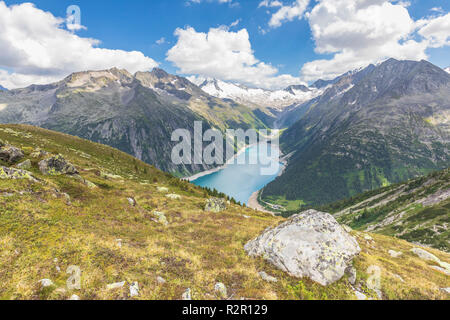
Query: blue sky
268,51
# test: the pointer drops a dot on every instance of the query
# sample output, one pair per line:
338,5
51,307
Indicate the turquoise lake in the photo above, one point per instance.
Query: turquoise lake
240,181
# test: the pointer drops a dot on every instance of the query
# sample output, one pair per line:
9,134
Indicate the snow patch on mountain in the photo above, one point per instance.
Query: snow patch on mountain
256,97
447,69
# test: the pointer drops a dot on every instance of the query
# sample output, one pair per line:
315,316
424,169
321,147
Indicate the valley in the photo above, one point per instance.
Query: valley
135,232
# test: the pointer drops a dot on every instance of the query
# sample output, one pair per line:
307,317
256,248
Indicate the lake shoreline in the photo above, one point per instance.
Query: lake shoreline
252,202
214,170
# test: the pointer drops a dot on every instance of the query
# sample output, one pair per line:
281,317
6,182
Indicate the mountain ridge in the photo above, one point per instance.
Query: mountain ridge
134,113
357,135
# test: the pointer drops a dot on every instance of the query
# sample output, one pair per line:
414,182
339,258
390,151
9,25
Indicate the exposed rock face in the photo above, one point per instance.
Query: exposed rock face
215,205
10,154
311,244
57,165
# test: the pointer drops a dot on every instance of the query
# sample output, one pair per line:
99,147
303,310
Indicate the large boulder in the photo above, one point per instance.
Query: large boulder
215,205
57,165
311,244
10,154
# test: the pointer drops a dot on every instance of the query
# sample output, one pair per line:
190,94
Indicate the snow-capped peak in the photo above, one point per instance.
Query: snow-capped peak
447,69
257,97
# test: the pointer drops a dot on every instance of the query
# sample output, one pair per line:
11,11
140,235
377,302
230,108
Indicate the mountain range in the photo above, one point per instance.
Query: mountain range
134,113
365,129
374,127
275,100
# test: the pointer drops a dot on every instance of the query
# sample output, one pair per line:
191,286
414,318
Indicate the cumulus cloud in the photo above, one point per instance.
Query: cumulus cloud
288,13
360,32
225,55
35,48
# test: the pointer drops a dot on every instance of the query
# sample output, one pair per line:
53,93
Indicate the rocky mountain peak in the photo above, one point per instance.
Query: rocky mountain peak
292,89
98,79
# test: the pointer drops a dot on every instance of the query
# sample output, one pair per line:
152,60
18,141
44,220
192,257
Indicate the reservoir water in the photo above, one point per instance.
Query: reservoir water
240,181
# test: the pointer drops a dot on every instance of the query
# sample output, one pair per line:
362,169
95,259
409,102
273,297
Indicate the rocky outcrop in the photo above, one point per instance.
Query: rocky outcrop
10,154
311,244
215,205
57,165
15,174
425,255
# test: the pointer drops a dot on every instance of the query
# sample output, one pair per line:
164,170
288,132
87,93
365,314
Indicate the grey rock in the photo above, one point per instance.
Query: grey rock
57,165
134,289
160,280
266,277
24,165
395,254
10,154
46,283
161,217
187,295
215,205
116,285
425,255
360,295
351,272
38,153
311,244
173,196
221,290
440,269
446,290
16,174
84,181
132,202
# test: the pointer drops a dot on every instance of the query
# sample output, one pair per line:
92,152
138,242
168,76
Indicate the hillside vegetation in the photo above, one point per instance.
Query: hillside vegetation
120,219
417,211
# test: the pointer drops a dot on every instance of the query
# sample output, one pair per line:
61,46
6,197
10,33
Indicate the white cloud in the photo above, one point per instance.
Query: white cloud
360,32
270,4
436,31
35,48
161,41
288,13
225,55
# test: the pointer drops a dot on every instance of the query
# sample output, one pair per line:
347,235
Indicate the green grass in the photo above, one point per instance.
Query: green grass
197,249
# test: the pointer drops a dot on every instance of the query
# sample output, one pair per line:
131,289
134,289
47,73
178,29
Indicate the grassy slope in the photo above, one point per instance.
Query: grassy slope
196,250
397,210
